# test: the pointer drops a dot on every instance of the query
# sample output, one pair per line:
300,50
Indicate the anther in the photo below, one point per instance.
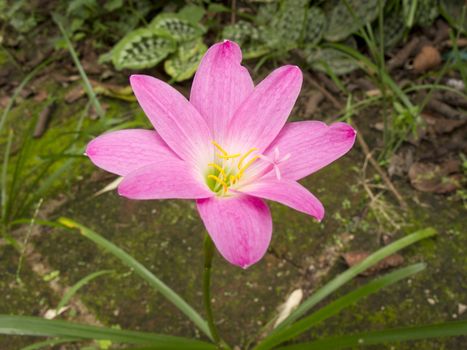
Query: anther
229,156
223,151
242,159
247,165
222,182
217,167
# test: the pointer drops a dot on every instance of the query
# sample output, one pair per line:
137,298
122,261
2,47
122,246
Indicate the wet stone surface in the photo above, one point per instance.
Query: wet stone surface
29,295
167,236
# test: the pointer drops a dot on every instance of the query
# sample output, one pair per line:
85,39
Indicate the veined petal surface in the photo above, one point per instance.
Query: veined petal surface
263,114
123,151
168,178
220,85
240,226
312,145
175,119
287,192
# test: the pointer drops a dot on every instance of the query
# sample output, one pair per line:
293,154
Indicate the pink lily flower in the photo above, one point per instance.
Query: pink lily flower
228,147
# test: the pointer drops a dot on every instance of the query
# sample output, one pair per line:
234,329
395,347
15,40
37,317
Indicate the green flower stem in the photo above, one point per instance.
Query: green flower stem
208,255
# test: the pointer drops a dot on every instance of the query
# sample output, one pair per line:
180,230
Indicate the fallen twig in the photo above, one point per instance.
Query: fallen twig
313,102
233,15
328,83
454,99
379,170
43,121
323,90
445,109
401,57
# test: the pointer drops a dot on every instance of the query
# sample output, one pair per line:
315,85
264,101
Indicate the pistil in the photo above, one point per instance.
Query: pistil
229,174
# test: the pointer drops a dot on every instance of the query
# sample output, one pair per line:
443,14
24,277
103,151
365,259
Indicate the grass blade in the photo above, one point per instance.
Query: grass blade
87,84
352,272
143,272
338,305
41,184
448,329
81,283
373,68
35,326
19,168
6,159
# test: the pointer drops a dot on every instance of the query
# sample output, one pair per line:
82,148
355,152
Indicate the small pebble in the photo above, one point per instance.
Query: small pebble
456,84
431,301
428,58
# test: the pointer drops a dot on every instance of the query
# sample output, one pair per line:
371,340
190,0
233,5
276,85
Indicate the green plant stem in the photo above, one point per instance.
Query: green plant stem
208,255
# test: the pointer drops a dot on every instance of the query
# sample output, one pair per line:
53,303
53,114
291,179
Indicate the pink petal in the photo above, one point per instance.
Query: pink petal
168,178
121,152
312,145
262,115
174,118
220,85
288,192
240,227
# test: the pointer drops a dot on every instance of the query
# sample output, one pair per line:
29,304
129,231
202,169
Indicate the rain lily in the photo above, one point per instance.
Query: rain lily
228,147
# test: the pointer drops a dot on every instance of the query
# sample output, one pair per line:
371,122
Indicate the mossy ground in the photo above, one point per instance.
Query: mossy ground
166,236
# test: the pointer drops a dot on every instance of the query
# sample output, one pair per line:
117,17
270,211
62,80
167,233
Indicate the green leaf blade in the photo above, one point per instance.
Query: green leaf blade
352,272
448,329
338,305
142,48
78,285
142,271
34,326
177,27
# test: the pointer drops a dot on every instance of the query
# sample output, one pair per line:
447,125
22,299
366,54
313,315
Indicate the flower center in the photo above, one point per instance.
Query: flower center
228,169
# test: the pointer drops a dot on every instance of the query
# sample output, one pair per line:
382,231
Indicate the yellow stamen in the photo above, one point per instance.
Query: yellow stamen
247,165
229,156
240,162
223,151
218,180
217,167
224,177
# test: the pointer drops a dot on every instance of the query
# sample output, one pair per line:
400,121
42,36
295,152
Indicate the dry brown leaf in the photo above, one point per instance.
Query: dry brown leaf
43,120
4,101
353,258
436,178
442,125
290,304
41,96
110,90
74,94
